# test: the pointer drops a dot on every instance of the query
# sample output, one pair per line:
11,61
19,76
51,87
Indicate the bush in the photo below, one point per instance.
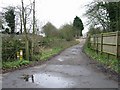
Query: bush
10,46
14,64
67,32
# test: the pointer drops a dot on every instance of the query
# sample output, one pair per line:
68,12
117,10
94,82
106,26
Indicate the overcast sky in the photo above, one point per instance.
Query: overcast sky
58,12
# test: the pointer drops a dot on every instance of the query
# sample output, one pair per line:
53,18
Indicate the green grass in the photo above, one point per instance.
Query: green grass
14,64
0,64
53,49
46,54
57,47
109,61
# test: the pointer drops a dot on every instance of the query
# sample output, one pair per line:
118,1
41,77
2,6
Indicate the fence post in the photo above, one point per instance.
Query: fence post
32,47
97,43
88,41
117,44
94,42
0,51
101,44
27,49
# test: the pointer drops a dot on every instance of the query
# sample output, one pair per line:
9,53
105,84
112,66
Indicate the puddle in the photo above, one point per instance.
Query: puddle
27,77
49,81
61,59
74,51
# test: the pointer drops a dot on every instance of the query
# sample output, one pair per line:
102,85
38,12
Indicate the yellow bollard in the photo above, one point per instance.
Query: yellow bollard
18,56
21,54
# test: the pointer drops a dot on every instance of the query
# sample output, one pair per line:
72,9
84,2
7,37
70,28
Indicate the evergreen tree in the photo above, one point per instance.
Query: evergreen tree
10,19
113,10
78,26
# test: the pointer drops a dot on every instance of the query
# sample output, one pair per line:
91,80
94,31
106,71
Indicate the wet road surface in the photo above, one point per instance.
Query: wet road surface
70,69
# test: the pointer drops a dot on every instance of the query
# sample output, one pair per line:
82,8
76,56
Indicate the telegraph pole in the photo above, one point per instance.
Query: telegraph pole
33,29
34,17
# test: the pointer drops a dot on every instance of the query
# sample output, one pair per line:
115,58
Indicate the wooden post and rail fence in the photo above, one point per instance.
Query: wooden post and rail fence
106,43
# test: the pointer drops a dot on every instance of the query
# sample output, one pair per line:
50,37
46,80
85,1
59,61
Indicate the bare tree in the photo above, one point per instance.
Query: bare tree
33,38
25,13
19,16
97,14
27,10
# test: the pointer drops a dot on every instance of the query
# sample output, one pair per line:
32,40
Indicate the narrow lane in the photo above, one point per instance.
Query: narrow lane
70,69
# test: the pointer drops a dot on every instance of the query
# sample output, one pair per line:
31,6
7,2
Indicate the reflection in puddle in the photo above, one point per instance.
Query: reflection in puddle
74,51
50,81
60,59
26,77
63,58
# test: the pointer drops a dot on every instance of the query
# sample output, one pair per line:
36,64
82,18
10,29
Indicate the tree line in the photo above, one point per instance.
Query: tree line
20,19
20,16
66,31
103,16
24,18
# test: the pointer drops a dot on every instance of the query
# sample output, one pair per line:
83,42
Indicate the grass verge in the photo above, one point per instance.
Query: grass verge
14,64
57,49
109,61
46,54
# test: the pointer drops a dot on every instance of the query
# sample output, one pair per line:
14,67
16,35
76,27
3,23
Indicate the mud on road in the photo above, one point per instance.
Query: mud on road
70,69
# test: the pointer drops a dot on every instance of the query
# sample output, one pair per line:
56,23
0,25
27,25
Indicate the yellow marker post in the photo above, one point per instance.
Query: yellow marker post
21,54
18,56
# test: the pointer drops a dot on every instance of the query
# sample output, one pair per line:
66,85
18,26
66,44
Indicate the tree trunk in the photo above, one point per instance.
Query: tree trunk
26,38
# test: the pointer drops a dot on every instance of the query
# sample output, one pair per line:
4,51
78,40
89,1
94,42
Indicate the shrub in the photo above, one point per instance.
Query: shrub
10,46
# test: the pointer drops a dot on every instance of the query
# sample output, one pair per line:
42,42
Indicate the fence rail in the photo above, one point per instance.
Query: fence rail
106,43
